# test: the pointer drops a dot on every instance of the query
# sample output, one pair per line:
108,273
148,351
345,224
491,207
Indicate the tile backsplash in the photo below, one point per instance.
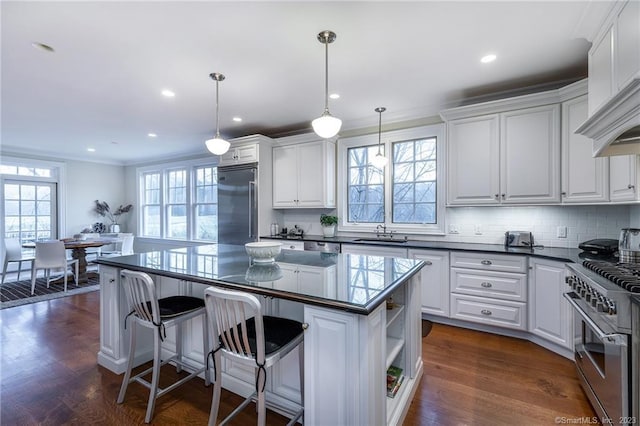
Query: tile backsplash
488,224
582,223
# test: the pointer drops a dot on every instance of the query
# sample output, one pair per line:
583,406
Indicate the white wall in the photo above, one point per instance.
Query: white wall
87,182
582,222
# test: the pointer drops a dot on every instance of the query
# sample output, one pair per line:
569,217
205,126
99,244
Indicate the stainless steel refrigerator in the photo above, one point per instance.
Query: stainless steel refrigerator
237,204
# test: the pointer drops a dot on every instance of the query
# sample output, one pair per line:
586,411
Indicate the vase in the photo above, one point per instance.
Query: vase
114,228
329,231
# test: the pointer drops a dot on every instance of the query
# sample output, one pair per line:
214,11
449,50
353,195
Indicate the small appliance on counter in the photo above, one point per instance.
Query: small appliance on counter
518,239
629,246
296,232
600,247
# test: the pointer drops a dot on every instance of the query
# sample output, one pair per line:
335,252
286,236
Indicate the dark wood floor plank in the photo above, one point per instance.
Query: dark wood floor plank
50,377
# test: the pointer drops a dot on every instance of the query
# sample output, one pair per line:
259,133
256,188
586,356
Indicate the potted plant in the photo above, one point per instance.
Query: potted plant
328,223
102,209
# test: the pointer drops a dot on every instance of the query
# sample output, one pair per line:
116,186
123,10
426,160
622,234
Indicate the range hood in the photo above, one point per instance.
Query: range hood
615,127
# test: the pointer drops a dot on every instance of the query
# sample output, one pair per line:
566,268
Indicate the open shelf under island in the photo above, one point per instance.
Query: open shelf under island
353,333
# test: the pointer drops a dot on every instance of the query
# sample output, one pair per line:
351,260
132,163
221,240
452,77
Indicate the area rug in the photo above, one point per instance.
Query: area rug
18,293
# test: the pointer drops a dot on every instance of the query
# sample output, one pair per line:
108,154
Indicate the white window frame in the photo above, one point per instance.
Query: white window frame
163,169
423,132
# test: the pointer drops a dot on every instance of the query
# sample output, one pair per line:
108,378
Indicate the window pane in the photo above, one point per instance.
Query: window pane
366,186
176,222
12,191
12,208
44,208
206,225
151,221
28,207
414,187
28,192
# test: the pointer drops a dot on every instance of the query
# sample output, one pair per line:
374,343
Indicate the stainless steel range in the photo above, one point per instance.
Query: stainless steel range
600,294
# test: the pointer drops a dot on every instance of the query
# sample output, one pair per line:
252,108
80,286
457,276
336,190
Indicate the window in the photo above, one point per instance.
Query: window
179,203
30,198
406,195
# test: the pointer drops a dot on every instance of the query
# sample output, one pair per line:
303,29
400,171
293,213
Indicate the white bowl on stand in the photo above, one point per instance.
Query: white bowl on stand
263,251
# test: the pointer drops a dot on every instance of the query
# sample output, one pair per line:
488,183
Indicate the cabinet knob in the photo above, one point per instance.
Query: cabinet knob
631,186
485,312
486,262
292,247
497,196
503,195
564,194
428,262
486,284
112,280
305,325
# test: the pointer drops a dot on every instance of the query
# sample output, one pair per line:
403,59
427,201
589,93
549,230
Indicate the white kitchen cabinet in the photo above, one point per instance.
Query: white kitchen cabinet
530,155
241,154
473,156
372,250
614,57
550,315
504,153
434,277
304,175
624,177
489,289
585,179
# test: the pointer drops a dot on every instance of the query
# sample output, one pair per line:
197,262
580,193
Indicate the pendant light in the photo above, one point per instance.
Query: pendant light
326,126
217,145
379,160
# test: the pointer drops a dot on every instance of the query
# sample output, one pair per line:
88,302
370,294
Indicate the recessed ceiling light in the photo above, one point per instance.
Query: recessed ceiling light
488,58
168,93
43,46
334,96
152,135
237,119
91,149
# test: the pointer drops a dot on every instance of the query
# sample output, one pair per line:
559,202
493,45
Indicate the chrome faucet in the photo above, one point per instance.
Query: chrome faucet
384,230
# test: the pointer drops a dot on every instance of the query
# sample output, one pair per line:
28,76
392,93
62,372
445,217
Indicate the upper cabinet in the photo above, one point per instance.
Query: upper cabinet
504,152
625,177
304,175
614,57
240,154
585,179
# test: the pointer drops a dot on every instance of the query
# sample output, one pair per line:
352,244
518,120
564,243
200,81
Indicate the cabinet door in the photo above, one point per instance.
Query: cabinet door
285,185
434,278
311,175
549,313
473,161
601,71
623,177
247,153
627,51
584,178
530,155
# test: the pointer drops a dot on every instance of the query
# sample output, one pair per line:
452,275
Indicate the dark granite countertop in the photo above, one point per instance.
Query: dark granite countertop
352,283
553,253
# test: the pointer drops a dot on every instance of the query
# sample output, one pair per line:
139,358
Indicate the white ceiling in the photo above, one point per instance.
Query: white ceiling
101,87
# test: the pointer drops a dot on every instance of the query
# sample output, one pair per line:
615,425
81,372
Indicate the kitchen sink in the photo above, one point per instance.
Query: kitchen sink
381,240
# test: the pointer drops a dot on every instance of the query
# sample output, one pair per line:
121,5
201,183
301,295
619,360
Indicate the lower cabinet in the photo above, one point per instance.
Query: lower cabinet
489,289
550,314
434,278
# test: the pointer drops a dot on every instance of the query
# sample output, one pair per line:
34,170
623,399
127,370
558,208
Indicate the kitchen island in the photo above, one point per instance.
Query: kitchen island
362,312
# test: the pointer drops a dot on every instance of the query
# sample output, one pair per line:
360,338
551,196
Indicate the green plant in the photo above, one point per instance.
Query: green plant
102,209
328,220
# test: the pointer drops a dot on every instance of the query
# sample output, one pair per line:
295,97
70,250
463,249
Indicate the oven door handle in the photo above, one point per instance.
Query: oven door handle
613,338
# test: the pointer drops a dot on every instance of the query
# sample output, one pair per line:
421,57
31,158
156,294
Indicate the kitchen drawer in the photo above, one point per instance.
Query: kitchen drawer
489,262
500,285
287,244
499,313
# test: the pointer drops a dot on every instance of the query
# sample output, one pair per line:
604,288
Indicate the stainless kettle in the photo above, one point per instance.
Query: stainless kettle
629,245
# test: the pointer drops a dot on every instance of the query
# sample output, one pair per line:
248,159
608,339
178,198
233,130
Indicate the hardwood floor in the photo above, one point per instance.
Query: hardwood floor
49,376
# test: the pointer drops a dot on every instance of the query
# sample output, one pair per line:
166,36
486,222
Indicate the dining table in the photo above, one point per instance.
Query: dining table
78,249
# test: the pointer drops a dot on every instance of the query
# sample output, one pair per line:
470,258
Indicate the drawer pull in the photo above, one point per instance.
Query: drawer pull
428,262
486,284
486,262
305,325
485,312
292,247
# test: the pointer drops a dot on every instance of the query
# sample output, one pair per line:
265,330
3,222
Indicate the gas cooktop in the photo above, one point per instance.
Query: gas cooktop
626,275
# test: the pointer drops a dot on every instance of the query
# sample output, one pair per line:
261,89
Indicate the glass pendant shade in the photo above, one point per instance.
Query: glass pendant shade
326,126
217,145
379,160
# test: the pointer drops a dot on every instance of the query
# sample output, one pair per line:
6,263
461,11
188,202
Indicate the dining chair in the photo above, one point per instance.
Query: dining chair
159,314
52,255
240,332
126,247
13,253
